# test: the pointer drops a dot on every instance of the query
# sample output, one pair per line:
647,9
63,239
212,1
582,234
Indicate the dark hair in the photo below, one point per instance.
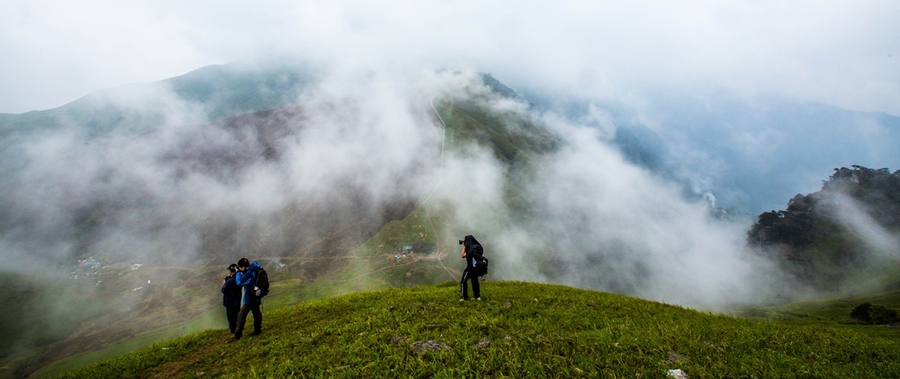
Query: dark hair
232,267
244,262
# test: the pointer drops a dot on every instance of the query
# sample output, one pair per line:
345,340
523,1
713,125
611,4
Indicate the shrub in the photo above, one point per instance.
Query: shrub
874,314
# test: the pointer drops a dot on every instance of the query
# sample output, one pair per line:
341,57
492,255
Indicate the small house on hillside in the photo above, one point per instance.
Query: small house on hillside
418,248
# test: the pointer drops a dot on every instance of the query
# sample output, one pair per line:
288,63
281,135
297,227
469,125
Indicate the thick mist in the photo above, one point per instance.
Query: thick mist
113,226
359,147
600,222
267,183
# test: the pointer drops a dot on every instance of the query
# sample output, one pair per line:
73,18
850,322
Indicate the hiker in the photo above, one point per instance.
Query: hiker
246,278
231,297
470,251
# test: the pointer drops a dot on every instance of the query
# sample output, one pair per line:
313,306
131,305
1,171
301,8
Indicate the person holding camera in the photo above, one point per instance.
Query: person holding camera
471,251
231,297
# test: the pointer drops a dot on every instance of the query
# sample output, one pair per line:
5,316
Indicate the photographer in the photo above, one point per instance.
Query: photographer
471,251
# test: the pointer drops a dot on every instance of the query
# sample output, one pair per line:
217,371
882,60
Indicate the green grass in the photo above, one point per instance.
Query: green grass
526,330
829,312
203,322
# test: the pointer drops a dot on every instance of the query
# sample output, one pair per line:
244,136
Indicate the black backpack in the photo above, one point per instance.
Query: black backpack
477,251
481,265
262,283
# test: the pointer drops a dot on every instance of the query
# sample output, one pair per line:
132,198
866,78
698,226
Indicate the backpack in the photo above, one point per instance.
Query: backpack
481,265
477,251
262,283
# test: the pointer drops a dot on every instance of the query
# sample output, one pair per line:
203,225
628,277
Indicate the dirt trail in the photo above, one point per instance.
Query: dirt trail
437,237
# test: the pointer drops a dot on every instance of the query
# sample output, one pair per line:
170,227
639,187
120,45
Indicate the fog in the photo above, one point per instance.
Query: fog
334,167
361,144
839,53
731,87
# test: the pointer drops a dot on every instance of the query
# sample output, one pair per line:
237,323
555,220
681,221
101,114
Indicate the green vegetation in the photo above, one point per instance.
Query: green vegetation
832,312
212,318
520,330
815,239
873,314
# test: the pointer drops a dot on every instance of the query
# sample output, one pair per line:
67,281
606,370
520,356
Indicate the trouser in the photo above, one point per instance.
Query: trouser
242,319
231,313
464,287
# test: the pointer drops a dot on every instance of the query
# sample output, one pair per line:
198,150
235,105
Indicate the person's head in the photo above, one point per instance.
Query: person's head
232,268
242,264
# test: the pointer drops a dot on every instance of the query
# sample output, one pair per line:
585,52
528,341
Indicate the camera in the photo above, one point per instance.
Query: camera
460,242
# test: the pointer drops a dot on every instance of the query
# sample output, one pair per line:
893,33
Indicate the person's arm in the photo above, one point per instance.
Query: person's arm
242,279
464,251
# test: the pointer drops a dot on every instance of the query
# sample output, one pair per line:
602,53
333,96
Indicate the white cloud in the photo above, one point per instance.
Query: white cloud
837,52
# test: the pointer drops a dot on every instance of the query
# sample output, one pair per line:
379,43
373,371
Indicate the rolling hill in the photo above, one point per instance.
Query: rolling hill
521,330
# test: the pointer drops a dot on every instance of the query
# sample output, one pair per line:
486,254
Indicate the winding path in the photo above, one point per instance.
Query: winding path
437,239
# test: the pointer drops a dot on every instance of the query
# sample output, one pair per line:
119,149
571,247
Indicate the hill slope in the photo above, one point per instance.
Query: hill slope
845,231
519,330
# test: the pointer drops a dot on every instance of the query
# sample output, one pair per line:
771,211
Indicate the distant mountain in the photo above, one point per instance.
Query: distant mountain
848,229
753,154
207,94
749,154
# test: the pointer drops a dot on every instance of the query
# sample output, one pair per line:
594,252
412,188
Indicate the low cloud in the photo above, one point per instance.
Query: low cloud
837,53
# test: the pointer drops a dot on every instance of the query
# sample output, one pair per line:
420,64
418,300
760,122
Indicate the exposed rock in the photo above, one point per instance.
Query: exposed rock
422,347
483,343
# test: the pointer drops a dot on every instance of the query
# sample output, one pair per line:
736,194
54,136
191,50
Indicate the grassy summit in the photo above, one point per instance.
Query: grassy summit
519,330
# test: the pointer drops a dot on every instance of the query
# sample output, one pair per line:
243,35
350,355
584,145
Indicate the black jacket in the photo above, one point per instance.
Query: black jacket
231,293
473,251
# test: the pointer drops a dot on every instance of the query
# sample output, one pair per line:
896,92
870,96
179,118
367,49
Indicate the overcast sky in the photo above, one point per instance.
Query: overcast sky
838,52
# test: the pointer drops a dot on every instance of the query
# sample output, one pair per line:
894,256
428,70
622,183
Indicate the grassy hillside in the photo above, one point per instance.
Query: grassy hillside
835,312
519,330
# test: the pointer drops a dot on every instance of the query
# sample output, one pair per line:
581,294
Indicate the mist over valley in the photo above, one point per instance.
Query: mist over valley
703,162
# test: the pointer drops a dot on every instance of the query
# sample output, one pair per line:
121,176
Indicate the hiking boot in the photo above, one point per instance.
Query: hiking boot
255,333
232,339
478,298
463,299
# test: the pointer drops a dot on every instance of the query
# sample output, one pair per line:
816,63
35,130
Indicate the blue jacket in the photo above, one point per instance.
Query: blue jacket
231,293
247,279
